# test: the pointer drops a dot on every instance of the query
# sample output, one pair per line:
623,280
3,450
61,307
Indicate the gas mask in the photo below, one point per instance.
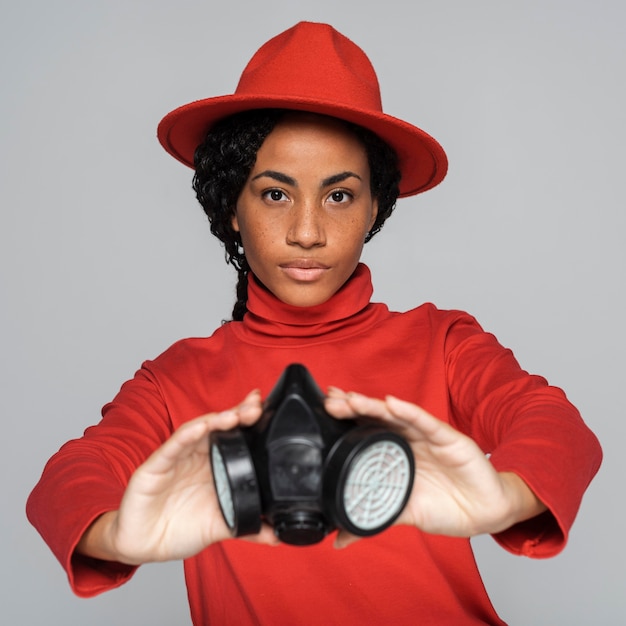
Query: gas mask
307,473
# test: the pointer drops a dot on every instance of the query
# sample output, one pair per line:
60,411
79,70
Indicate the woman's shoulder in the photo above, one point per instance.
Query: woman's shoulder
191,348
430,313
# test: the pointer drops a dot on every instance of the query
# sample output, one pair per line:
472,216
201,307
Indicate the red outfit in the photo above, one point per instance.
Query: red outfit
440,360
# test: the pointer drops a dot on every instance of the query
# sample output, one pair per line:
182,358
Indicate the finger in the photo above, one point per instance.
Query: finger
250,409
345,539
189,439
265,536
339,407
359,405
335,392
421,421
406,418
350,405
184,441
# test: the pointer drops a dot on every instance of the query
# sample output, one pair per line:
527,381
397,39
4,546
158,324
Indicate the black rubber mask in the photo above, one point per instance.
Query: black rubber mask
307,473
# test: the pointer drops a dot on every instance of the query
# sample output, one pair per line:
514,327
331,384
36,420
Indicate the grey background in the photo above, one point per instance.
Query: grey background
106,259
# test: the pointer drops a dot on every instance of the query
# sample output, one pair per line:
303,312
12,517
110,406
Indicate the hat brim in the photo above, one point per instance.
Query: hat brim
422,160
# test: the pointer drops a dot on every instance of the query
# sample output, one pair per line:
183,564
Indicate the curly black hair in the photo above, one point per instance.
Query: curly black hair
223,162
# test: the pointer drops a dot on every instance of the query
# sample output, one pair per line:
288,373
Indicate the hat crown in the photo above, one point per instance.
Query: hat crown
311,67
313,61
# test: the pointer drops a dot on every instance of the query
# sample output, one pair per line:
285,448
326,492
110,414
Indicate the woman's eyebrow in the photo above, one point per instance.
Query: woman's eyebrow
279,176
338,178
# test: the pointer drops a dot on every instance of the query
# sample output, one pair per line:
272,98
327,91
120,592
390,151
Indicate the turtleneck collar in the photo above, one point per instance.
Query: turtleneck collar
269,321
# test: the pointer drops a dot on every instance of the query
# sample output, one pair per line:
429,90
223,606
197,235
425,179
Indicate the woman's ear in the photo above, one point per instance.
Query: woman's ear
374,214
234,222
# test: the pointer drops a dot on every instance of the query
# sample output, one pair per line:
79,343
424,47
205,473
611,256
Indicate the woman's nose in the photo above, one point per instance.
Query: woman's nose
306,228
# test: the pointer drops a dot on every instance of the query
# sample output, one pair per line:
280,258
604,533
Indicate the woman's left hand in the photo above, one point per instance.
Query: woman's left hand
456,491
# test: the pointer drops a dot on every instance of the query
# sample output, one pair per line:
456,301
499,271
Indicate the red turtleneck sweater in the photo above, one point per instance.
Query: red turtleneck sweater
441,360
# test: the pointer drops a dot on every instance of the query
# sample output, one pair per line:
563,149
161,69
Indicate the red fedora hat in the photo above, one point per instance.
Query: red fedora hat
311,67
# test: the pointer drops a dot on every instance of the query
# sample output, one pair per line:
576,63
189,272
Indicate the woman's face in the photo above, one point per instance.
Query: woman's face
305,209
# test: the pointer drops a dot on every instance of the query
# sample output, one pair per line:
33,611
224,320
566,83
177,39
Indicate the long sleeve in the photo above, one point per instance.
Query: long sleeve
88,476
527,427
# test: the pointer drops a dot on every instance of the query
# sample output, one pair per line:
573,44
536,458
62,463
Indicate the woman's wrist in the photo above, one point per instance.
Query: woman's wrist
96,541
523,503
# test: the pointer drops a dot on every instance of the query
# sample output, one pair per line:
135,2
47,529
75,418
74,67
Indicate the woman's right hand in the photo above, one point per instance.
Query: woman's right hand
170,509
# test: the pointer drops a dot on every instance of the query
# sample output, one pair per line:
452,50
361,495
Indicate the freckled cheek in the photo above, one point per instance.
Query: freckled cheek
263,243
353,232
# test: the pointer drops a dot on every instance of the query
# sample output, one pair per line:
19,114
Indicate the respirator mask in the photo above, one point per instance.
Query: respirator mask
307,473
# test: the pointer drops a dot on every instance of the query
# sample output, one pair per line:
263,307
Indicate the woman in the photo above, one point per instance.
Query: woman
296,171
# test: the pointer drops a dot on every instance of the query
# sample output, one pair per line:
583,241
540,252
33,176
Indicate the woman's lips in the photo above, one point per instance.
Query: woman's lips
304,271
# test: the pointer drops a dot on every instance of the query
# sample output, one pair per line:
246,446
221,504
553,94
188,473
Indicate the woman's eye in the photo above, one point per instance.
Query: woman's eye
275,195
339,196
